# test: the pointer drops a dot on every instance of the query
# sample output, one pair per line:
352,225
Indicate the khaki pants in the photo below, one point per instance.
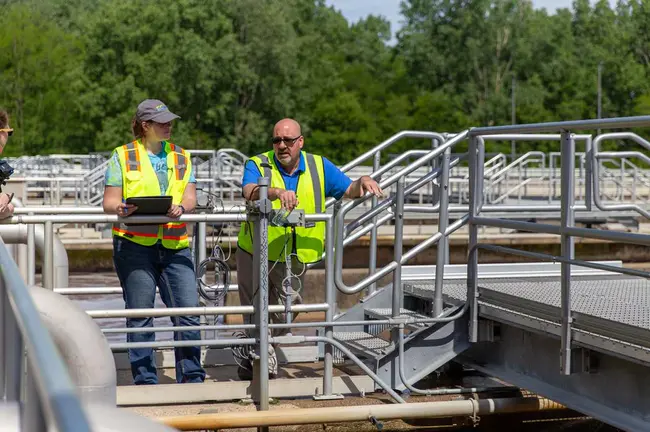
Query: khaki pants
276,276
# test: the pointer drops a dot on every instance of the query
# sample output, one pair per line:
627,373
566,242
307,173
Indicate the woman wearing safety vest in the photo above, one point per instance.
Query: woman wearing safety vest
147,256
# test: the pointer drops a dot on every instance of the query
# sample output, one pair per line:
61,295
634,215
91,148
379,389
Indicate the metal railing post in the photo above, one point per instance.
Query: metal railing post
397,257
589,173
261,286
372,264
12,350
551,179
48,256
435,191
472,261
330,299
399,231
443,222
31,254
567,245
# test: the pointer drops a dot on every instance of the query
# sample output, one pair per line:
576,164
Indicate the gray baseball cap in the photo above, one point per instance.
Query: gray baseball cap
154,110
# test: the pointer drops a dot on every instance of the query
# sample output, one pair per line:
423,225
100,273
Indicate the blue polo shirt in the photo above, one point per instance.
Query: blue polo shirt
336,182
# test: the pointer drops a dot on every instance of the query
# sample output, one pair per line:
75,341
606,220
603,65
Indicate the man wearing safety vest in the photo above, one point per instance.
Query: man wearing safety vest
147,256
299,180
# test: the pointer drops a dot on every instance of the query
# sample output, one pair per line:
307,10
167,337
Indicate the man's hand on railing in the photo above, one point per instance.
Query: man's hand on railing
364,184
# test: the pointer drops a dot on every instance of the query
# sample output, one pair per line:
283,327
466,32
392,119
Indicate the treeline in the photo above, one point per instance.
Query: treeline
73,71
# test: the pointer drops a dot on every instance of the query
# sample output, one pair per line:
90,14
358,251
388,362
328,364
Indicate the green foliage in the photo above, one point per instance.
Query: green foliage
40,79
73,71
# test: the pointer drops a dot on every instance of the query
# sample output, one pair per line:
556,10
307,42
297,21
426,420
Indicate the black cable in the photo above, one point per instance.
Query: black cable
217,292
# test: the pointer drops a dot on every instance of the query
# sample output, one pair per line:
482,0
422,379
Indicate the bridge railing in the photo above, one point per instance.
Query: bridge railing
567,229
338,235
50,396
238,216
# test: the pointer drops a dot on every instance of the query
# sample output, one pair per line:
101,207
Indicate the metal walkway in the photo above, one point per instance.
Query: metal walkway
610,313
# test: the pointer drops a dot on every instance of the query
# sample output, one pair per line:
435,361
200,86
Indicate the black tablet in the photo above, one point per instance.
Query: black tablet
151,205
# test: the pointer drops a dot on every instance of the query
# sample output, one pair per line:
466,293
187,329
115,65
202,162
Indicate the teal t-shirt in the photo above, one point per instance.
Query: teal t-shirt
113,175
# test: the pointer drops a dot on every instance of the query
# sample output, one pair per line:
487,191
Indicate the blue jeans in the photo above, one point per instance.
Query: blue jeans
140,269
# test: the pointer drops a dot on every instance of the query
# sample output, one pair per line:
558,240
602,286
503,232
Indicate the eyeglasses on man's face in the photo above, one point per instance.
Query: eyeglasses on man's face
286,140
8,131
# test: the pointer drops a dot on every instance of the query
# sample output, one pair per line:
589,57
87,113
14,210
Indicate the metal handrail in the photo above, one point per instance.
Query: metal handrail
498,177
340,218
533,128
383,145
387,203
619,179
638,173
566,229
46,371
518,161
497,162
596,184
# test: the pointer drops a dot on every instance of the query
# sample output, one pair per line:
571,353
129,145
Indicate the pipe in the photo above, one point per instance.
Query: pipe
109,218
21,252
122,346
52,210
82,345
305,324
201,310
302,416
103,290
19,234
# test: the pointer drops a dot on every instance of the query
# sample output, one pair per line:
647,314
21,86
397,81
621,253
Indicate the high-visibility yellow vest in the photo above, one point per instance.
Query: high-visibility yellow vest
309,240
139,179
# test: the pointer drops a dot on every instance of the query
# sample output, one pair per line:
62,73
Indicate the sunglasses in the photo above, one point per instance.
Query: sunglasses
289,141
9,131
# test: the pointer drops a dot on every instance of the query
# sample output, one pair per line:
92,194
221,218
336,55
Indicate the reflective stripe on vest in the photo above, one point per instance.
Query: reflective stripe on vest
132,157
180,162
140,179
310,193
